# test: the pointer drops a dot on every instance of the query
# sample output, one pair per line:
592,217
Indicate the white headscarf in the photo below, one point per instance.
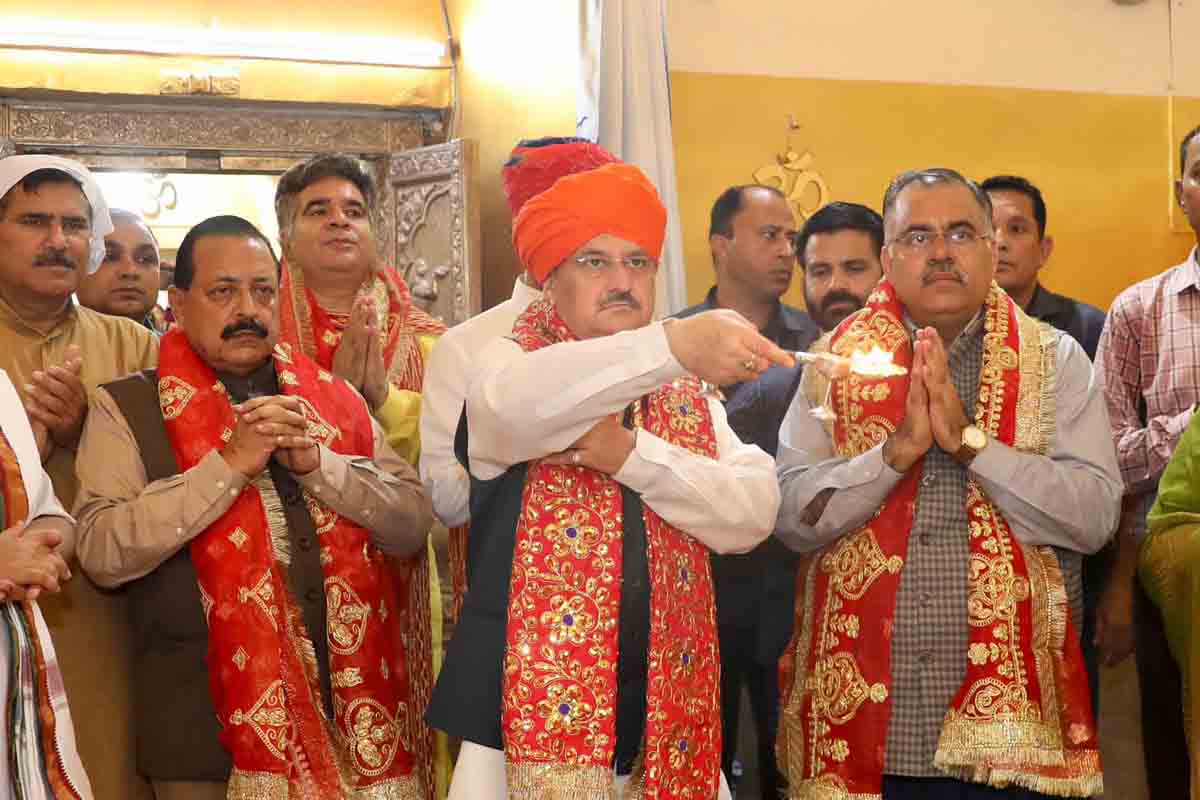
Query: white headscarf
14,168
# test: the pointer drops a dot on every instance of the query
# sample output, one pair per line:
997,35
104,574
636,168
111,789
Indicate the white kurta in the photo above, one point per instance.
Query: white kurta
447,375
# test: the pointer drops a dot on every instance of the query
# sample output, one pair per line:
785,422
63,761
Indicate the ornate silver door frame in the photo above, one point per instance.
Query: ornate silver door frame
238,137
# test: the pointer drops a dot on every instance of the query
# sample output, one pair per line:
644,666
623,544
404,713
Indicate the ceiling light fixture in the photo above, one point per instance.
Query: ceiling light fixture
214,41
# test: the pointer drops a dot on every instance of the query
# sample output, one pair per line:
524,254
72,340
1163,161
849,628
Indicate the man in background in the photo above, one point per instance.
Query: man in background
1148,360
1019,216
127,282
751,234
838,249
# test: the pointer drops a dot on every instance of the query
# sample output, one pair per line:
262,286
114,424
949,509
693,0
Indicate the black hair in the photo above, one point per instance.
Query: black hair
122,216
840,216
326,165
1183,148
729,204
1015,183
224,225
930,177
38,178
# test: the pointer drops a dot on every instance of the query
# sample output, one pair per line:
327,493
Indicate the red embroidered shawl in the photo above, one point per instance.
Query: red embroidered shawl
559,719
1023,715
317,333
262,668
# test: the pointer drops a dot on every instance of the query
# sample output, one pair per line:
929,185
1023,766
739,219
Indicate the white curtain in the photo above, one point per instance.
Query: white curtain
625,105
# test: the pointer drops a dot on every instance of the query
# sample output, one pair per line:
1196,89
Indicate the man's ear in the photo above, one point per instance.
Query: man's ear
175,303
719,245
1047,248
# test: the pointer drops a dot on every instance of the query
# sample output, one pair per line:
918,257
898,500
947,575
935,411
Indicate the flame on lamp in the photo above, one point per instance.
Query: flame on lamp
875,363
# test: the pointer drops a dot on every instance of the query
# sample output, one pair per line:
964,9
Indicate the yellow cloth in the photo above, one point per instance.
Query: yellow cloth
400,414
89,627
400,418
1169,568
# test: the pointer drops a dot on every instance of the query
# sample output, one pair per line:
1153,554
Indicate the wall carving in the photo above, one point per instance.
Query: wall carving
91,127
435,226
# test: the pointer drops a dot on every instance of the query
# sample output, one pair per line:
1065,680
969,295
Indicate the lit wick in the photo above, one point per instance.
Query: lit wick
875,363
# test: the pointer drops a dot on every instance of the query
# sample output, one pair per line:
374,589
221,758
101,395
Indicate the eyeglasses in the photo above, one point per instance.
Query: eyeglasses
595,264
923,241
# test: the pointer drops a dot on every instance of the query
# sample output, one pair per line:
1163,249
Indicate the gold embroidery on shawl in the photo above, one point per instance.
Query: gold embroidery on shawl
239,538
263,595
346,617
404,788
347,678
374,736
538,781
318,429
173,396
791,745
836,683
268,718
999,726
256,785
206,601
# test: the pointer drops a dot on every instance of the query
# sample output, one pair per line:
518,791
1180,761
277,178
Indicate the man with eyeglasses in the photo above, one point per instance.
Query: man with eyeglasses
602,474
943,511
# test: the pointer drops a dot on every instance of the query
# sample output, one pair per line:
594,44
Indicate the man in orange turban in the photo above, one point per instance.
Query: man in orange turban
533,166
585,661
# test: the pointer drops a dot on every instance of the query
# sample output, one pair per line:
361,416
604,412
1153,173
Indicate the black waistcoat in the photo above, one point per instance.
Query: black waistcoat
174,717
467,701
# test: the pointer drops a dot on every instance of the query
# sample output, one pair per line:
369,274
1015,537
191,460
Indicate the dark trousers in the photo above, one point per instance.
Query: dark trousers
1096,569
1164,743
752,637
898,788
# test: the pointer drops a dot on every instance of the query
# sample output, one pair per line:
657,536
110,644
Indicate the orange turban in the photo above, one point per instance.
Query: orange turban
617,199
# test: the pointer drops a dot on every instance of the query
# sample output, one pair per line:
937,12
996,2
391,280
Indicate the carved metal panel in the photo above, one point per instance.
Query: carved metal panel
433,215
192,128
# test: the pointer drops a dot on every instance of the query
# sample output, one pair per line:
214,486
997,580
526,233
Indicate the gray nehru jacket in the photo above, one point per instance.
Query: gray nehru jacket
1068,500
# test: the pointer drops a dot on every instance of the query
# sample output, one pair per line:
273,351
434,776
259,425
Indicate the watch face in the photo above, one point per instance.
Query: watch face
974,438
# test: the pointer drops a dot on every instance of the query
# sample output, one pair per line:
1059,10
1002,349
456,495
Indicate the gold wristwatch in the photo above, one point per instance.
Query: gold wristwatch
973,440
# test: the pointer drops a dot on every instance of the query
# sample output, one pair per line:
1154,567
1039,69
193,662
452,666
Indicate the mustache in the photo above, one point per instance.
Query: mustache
839,296
54,258
244,325
620,296
941,269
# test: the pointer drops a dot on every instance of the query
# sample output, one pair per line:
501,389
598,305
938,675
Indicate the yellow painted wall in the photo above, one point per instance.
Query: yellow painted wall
1103,161
260,79
518,79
